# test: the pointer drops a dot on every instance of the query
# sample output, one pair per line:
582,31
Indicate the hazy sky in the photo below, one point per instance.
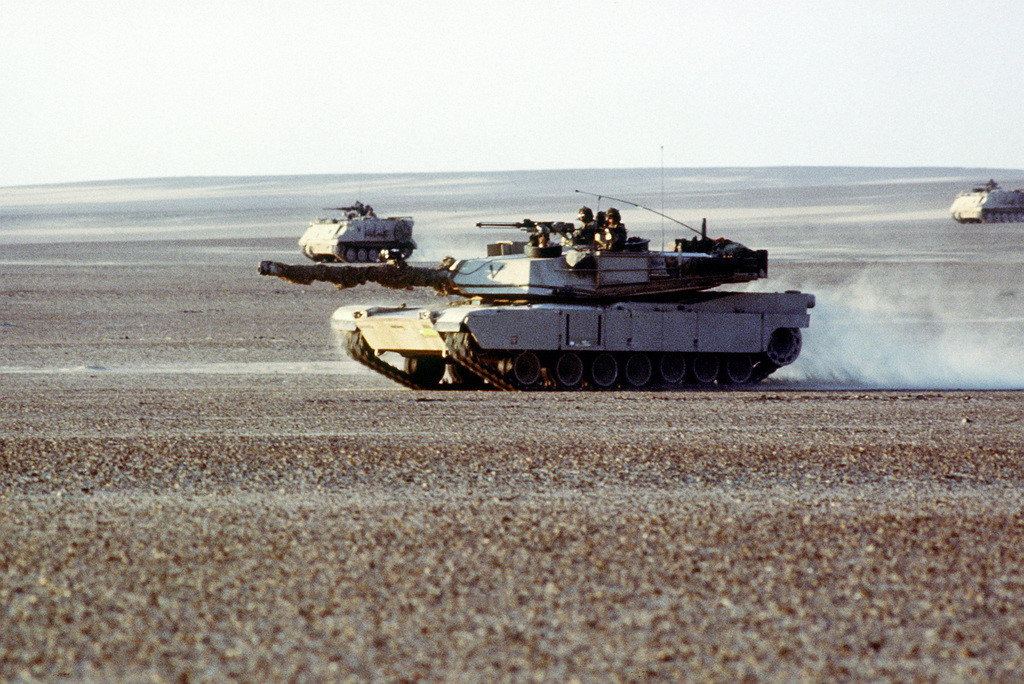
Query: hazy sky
106,89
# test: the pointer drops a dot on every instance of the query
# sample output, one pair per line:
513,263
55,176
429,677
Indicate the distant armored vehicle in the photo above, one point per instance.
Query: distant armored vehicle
359,236
574,307
988,203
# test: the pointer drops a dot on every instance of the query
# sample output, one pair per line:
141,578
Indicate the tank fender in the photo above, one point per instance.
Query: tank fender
452,320
343,319
348,317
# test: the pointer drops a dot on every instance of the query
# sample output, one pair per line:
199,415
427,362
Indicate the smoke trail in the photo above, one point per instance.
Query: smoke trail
873,335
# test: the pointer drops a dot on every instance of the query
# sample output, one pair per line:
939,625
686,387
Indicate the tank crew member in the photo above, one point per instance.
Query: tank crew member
613,236
584,235
359,209
616,228
598,224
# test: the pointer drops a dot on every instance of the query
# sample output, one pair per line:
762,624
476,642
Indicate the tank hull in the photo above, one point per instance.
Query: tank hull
358,239
988,204
714,338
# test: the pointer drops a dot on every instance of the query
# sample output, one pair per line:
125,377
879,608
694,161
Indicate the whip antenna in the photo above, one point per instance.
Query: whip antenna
639,206
663,198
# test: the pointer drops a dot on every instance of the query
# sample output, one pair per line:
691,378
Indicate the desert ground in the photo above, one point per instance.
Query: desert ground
197,488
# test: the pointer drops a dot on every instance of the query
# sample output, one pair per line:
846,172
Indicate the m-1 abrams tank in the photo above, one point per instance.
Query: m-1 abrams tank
575,307
988,203
358,236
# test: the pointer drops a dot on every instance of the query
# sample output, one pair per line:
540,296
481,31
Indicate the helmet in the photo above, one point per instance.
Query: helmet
585,215
613,215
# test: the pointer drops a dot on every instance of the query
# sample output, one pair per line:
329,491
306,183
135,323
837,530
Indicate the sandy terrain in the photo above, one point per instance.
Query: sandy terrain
178,503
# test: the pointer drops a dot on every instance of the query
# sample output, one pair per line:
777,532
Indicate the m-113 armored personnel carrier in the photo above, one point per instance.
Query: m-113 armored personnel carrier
358,236
573,307
988,203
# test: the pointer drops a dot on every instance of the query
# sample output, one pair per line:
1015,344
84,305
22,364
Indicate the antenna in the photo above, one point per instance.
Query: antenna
639,206
662,198
359,196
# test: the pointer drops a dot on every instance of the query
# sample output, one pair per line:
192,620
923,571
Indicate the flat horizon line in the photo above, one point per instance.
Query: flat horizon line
386,174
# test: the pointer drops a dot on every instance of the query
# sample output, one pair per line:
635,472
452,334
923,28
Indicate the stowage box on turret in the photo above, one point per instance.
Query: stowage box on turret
575,307
988,203
359,236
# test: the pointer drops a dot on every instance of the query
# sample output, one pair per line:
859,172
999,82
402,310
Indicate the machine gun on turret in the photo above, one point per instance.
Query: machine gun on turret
539,243
537,229
531,226
358,209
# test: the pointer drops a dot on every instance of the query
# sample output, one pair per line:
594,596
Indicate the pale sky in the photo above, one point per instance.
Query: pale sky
107,89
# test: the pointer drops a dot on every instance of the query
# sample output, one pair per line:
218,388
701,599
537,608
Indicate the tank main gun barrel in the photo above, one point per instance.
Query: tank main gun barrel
396,276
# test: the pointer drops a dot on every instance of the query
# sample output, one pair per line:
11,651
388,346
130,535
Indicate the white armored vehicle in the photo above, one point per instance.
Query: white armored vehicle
576,307
358,236
988,203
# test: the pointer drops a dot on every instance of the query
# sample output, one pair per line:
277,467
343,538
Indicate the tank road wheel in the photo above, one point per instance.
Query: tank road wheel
426,371
784,346
604,370
351,254
735,369
672,367
569,370
704,369
638,370
361,255
526,369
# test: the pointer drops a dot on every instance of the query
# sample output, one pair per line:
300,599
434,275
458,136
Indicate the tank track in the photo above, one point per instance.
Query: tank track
1002,216
461,350
762,369
462,353
356,347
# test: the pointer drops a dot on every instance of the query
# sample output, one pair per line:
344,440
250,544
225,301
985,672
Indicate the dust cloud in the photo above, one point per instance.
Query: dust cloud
875,335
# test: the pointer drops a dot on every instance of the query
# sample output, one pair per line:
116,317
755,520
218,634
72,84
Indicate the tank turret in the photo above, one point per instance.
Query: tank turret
573,307
552,271
359,235
988,203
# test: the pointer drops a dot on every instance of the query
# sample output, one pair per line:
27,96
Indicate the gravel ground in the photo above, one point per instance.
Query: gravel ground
162,525
202,531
